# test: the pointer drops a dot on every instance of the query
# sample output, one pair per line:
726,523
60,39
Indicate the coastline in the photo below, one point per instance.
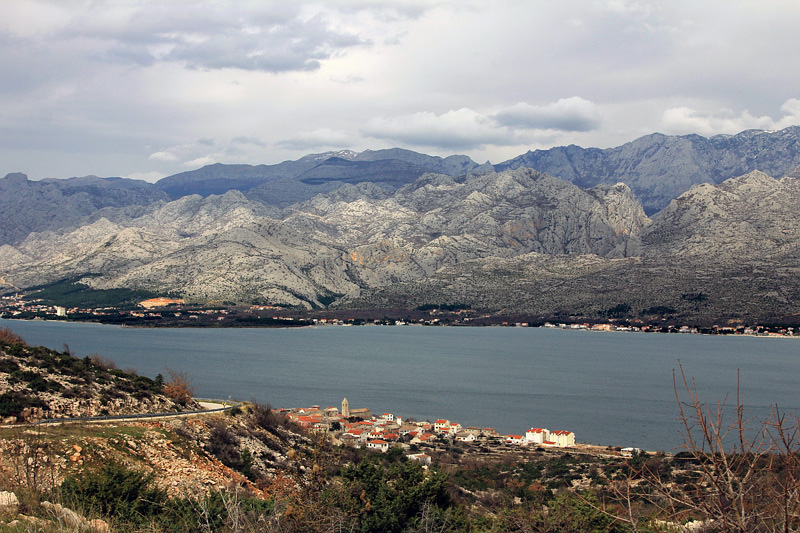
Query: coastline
291,323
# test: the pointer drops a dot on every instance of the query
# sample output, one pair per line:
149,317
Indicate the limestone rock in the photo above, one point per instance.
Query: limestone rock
8,502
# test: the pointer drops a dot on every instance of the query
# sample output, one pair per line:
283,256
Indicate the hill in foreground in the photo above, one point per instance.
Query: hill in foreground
251,469
38,383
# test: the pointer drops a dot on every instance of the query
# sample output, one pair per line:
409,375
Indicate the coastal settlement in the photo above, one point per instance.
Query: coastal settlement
359,428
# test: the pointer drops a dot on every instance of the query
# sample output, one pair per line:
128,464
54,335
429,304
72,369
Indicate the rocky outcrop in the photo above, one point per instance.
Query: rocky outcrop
72,521
716,253
49,205
750,217
360,237
39,383
658,168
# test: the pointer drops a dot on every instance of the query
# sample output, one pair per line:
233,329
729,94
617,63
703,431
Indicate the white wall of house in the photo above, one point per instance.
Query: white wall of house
563,438
537,435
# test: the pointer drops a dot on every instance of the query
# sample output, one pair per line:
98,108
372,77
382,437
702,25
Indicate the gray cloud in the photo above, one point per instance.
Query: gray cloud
146,87
682,120
270,36
317,140
568,114
465,129
461,129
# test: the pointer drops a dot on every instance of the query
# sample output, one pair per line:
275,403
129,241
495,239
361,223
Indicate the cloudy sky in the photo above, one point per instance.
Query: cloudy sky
145,89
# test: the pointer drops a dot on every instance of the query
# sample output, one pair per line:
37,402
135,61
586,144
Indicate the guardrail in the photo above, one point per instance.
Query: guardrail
226,405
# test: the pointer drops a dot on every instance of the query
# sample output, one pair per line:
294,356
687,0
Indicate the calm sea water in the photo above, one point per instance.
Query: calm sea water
609,388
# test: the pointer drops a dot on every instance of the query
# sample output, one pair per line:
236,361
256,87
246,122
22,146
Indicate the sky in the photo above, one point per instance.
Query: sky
149,88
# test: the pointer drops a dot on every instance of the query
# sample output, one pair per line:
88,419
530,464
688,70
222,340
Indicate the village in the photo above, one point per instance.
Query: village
176,313
359,428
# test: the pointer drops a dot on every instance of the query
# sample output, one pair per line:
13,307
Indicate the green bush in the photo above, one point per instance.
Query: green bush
12,403
8,365
115,491
129,500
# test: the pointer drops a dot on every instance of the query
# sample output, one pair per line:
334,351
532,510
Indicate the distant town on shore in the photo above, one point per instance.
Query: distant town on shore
171,312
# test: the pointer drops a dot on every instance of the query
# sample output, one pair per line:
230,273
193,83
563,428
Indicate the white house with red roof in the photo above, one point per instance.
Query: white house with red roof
515,439
378,444
537,435
563,438
441,425
359,434
423,437
406,429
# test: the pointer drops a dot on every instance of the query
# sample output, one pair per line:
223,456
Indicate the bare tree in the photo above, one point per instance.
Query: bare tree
30,457
739,476
179,387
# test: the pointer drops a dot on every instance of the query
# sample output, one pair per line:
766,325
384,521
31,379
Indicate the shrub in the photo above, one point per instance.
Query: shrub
8,365
114,491
179,387
9,337
12,403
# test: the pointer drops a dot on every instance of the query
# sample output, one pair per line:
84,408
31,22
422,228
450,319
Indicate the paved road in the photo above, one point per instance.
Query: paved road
208,405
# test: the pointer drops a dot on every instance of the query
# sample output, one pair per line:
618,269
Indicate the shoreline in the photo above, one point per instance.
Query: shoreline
316,324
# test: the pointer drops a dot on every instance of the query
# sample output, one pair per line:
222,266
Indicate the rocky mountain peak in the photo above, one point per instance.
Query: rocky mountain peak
751,183
14,178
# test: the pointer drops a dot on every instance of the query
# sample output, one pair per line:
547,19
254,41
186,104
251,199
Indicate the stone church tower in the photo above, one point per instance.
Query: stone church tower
345,408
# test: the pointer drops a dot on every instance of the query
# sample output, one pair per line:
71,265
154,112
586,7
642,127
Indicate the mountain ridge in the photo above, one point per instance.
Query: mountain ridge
511,240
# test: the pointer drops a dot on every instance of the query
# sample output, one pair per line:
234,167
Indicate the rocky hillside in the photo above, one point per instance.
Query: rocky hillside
29,206
355,239
295,181
512,242
717,252
656,167
378,229
39,383
750,217
660,167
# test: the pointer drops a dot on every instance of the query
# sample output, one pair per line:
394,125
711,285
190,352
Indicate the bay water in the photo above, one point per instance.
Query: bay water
609,388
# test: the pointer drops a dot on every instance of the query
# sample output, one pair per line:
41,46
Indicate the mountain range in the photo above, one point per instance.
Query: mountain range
664,227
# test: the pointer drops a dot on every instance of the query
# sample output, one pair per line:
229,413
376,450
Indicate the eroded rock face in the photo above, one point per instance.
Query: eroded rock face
750,217
658,168
353,246
332,246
